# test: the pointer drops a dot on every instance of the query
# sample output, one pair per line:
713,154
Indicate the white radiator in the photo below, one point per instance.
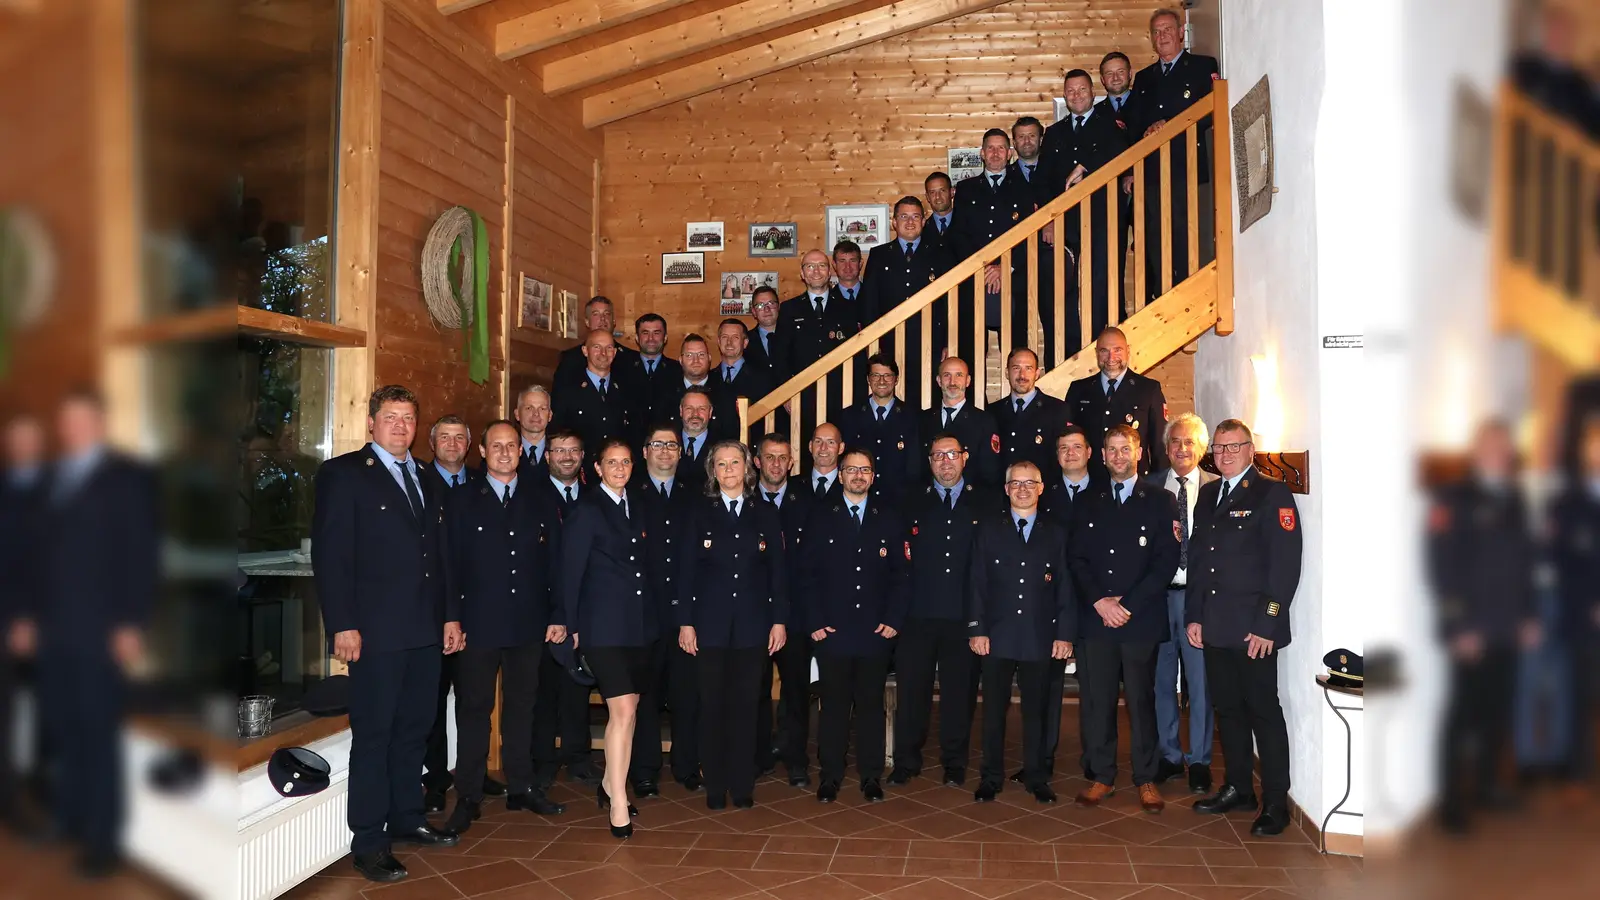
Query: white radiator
294,843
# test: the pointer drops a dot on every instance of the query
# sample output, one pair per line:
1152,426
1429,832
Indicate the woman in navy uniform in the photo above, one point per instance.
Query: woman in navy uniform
731,606
611,613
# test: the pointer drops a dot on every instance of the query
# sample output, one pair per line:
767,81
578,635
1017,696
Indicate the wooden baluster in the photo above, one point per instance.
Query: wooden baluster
1058,288
1005,304
953,325
873,348
847,394
1531,234
925,361
980,344
1035,337
1113,263
742,404
1086,266
822,398
1588,286
1166,217
1140,292
794,433
1558,211
1192,195
900,358
770,423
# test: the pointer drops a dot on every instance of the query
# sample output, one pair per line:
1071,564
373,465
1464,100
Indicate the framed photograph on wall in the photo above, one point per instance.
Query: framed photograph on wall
867,225
774,239
683,268
963,162
535,309
739,288
703,236
566,319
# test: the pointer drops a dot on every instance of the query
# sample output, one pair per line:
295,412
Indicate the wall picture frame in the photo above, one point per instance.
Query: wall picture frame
683,268
866,224
703,236
771,239
535,309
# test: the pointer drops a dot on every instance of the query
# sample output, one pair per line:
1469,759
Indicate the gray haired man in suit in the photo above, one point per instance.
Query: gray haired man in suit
1186,443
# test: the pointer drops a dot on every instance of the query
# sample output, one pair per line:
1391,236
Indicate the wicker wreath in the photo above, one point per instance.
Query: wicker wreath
451,308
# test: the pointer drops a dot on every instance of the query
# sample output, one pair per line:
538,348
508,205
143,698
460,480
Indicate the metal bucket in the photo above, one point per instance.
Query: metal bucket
255,716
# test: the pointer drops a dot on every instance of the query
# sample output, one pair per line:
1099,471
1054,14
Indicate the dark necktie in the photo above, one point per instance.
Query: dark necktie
995,179
602,387
412,493
816,303
649,367
906,249
455,480
822,485
1020,404
1116,488
505,496
1116,104
1166,69
1077,122
662,487
772,496
1111,387
949,414
690,443
849,294
1183,521
1022,530
855,514
531,455
882,411
949,499
727,374
1027,171
569,493
733,507
1073,497
1222,495
941,223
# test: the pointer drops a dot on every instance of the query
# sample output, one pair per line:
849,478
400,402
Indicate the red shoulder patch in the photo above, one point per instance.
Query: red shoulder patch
1438,518
994,443
1286,517
908,550
1216,76
1121,124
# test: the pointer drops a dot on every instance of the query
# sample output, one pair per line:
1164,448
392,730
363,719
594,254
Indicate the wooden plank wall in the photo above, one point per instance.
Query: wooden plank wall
862,126
446,110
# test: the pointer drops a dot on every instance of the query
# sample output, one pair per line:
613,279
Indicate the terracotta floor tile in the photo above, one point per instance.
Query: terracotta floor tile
1091,838
991,888
506,849
433,887
755,819
751,842
1292,856
992,813
890,832
1172,874
1081,871
878,884
796,844
945,850
1215,892
1104,890
711,885
1040,829
820,887
1217,830
1136,831
934,889
492,877
1229,858
945,868
767,880
1091,853
721,859
534,890
644,893
1018,852
322,887
1339,877
796,828
554,868
521,830
1165,856
631,857
594,884
809,863
942,826
1252,877
594,854
846,822
867,865
660,838
855,846
444,865
1013,870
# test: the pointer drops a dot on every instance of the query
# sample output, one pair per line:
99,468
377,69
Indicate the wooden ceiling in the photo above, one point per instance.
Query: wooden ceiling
624,57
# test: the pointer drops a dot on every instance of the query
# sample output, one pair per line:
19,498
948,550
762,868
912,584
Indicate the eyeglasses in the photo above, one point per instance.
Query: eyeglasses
947,454
882,376
1230,448
765,304
857,470
1028,485
663,445
565,451
695,355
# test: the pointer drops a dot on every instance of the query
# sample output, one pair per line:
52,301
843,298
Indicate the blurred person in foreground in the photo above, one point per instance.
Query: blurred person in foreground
1480,557
1575,546
88,621
23,488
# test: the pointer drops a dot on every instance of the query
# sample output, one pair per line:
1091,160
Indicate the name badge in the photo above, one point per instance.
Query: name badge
1240,513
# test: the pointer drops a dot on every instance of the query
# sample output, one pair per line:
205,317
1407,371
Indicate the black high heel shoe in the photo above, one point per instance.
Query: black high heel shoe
604,799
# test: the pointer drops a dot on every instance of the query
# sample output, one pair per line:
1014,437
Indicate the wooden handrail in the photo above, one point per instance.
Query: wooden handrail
969,267
1517,105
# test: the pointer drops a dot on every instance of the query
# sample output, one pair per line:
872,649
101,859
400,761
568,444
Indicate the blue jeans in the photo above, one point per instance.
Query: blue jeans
1194,675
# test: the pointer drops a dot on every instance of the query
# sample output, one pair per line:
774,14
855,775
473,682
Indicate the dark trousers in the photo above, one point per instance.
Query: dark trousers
391,711
851,684
436,759
678,687
1477,727
1244,692
562,705
1102,664
1054,695
793,663
922,646
1581,678
476,668
1030,678
729,683
81,700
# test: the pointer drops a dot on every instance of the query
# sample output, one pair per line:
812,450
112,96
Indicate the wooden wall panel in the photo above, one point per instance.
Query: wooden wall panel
862,126
447,110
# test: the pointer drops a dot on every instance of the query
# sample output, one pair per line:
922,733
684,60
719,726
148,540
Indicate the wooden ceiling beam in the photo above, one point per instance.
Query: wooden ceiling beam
451,7
678,40
565,21
781,53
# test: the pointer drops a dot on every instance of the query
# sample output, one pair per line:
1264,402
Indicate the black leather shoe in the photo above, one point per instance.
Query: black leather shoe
381,868
1199,779
1016,776
1044,794
1167,770
492,788
433,800
718,802
872,790
744,802
954,777
1226,800
462,817
1273,820
799,779
426,836
535,802
97,865
646,788
584,773
766,766
692,783
901,776
985,793
828,792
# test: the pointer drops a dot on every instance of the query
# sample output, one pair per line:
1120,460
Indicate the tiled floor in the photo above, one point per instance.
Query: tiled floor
926,842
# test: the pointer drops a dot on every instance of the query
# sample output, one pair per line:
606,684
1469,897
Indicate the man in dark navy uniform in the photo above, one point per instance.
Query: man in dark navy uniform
941,194
589,400
795,501
1075,147
855,578
895,273
1022,615
1244,567
765,347
955,414
598,315
502,542
1123,551
887,427
1174,82
533,421
652,372
735,376
810,325
722,418
24,490
378,551
1028,419
1118,396
1575,527
695,420
944,518
563,703
1031,164
987,206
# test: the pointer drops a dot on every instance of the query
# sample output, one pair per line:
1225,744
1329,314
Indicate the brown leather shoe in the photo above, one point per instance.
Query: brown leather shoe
1150,799
1094,794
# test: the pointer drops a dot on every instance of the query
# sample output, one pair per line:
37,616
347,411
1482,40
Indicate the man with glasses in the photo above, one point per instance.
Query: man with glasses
1123,552
895,273
589,400
1028,419
811,325
1022,615
854,575
1244,567
1116,395
943,519
765,348
664,493
887,427
1186,446
955,414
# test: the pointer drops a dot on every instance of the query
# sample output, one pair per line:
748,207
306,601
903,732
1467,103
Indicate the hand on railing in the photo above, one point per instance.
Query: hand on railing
1077,175
991,278
1127,184
1154,127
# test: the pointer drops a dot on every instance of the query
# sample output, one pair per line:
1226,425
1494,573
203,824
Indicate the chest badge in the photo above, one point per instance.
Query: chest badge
1047,577
901,445
707,544
1185,95
930,278
1038,439
1142,541
369,461
1129,419
883,552
1015,216
762,546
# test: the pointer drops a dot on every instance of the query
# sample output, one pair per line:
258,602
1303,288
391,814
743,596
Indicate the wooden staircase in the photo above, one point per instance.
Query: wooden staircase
1179,315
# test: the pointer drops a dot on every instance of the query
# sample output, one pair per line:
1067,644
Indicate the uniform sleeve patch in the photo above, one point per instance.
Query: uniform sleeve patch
1438,518
994,443
1273,608
908,551
1286,517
